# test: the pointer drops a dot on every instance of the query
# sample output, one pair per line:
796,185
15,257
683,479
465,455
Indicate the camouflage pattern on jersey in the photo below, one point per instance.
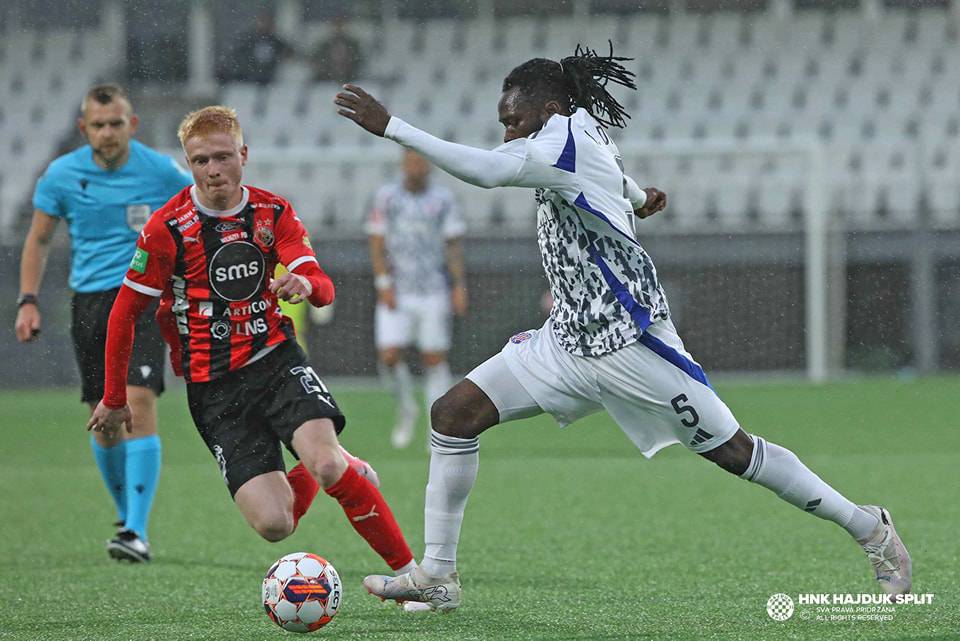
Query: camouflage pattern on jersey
416,228
588,320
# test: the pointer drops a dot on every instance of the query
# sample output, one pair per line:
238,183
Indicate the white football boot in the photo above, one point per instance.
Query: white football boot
890,559
438,593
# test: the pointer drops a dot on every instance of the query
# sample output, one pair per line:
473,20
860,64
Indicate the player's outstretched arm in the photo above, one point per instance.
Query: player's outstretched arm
478,167
363,109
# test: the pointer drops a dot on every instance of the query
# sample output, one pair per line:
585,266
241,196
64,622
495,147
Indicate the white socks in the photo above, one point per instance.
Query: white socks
453,471
399,379
436,382
779,470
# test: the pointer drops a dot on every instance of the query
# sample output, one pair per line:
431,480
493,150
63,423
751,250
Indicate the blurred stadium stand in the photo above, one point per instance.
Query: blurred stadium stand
744,108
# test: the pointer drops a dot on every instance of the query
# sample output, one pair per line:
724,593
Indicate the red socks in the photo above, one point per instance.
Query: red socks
371,517
305,489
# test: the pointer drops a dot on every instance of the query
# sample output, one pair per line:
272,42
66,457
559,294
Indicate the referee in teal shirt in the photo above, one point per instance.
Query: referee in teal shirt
106,190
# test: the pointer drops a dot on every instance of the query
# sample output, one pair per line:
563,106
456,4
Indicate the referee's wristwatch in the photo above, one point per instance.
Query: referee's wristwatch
26,299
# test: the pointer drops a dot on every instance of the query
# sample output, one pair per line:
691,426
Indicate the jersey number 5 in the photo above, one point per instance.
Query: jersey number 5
679,408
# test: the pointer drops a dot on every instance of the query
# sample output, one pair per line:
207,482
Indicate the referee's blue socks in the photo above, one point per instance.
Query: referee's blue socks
142,475
112,462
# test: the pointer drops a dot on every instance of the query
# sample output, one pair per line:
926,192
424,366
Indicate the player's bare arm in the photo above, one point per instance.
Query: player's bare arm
292,288
656,202
363,109
458,276
33,260
386,294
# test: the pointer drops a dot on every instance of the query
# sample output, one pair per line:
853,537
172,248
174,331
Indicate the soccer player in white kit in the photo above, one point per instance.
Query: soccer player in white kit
609,343
415,228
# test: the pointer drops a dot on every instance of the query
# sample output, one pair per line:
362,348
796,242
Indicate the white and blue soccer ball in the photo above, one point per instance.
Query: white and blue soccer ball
301,592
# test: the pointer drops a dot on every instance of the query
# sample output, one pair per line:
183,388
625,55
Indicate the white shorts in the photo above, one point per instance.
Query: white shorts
653,389
421,320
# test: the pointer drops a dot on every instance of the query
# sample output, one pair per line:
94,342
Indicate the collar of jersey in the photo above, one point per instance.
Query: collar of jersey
216,213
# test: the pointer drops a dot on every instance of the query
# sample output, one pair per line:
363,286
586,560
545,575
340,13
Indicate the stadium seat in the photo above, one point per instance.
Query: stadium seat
943,197
855,84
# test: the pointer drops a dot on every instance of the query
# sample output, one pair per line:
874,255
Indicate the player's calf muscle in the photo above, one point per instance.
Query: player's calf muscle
734,455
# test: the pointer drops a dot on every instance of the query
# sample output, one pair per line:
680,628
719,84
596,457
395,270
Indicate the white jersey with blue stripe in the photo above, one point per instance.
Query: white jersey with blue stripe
604,285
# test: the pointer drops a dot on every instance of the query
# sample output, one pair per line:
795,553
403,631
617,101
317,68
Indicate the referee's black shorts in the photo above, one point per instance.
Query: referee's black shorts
89,315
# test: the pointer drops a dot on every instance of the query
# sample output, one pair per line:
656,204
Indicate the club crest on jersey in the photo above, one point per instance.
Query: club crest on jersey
263,234
516,339
236,271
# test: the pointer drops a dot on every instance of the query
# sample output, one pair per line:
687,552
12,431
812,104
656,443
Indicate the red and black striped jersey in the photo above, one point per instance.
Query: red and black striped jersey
211,271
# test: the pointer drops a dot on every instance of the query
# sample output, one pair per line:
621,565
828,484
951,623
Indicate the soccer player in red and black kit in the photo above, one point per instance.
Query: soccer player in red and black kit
209,254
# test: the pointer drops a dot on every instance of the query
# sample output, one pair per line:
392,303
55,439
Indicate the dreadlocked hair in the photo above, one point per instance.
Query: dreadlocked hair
576,81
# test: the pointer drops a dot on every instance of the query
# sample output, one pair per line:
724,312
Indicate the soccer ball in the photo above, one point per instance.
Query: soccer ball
301,592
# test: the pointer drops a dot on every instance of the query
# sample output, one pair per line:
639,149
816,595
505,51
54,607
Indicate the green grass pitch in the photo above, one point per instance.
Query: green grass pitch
568,534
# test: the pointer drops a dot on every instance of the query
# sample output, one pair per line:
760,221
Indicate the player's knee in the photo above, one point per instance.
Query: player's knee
327,467
390,357
432,359
107,440
143,407
448,416
275,526
442,416
141,396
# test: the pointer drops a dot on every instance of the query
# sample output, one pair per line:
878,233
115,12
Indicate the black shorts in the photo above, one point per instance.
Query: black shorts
244,415
88,327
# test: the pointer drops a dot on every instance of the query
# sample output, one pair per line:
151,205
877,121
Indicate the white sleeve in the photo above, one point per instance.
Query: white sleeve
636,196
505,166
476,166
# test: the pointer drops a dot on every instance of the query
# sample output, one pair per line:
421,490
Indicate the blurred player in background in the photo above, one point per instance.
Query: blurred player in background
106,190
209,255
415,229
609,343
